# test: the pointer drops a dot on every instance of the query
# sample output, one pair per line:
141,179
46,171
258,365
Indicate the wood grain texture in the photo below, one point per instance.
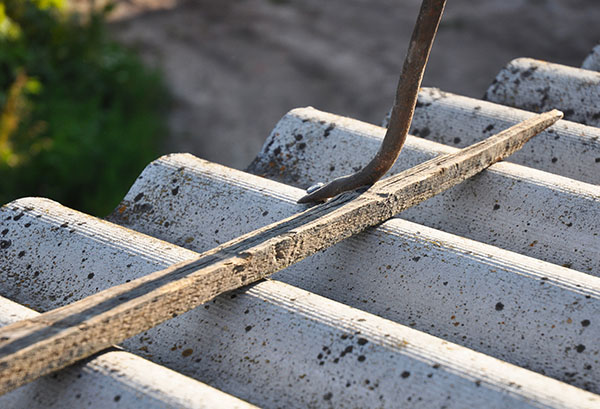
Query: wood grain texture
37,346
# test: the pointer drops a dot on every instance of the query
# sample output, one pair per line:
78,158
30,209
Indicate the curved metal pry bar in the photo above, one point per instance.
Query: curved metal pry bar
421,41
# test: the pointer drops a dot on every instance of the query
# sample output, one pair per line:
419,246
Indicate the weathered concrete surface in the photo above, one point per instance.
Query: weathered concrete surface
567,148
538,86
149,210
113,379
393,271
521,209
281,346
33,348
592,61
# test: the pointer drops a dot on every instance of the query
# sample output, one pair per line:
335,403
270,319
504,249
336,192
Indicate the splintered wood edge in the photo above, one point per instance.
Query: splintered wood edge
34,347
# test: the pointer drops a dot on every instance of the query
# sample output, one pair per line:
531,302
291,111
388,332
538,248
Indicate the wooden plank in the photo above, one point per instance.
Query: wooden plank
137,382
272,332
37,346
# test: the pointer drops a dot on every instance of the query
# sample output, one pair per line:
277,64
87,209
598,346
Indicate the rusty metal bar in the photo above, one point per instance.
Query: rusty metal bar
420,45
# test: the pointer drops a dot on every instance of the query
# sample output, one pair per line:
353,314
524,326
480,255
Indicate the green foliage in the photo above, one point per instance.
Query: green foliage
80,116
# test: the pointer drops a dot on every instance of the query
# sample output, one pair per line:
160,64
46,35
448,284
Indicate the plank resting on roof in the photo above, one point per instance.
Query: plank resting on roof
377,271
279,346
113,379
60,337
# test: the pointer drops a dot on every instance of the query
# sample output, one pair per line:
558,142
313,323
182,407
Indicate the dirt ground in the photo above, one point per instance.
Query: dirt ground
235,67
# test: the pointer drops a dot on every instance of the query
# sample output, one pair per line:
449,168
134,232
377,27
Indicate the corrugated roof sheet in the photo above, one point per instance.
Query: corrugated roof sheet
484,296
592,61
538,85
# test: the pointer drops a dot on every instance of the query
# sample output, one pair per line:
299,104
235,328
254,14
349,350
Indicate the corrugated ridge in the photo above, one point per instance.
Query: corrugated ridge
592,61
539,86
567,148
354,272
157,202
277,345
110,379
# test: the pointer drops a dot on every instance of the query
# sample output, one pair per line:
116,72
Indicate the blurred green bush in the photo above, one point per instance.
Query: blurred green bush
80,115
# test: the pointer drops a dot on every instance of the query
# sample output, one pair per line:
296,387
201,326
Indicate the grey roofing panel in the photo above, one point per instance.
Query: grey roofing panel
405,272
540,86
567,148
148,206
36,272
525,210
342,337
280,346
592,61
114,379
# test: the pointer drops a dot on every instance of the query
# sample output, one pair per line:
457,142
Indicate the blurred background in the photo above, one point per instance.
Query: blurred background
88,101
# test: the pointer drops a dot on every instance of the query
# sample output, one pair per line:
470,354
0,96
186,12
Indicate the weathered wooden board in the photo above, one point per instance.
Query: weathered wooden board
34,347
278,346
112,379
